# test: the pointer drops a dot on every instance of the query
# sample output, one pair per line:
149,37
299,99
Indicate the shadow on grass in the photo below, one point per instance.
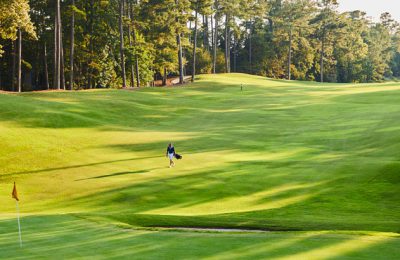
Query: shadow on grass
119,174
77,166
69,237
285,194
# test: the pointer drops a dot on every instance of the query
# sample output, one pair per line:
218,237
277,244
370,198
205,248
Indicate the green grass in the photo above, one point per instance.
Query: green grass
316,161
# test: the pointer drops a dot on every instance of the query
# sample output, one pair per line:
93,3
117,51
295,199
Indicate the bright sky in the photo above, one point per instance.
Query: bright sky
373,8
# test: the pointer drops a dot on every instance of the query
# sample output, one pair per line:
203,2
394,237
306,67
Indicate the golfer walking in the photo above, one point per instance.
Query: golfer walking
171,154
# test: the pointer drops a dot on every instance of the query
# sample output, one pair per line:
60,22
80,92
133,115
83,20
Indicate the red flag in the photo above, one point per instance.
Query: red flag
14,192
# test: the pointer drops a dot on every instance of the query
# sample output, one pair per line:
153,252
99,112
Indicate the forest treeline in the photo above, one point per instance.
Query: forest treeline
83,44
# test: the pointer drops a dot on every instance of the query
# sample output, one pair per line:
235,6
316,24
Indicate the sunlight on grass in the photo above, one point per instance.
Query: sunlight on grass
247,252
250,202
339,249
354,89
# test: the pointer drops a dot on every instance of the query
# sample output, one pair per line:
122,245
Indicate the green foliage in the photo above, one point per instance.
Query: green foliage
351,47
161,22
14,15
203,60
376,64
220,62
144,53
103,69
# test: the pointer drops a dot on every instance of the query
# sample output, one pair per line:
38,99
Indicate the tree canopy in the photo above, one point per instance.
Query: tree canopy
121,43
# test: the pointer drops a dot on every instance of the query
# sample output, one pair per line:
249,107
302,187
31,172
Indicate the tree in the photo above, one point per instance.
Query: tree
326,22
293,19
149,39
215,34
182,8
72,47
121,42
135,41
376,63
57,46
349,47
19,60
162,30
203,7
14,16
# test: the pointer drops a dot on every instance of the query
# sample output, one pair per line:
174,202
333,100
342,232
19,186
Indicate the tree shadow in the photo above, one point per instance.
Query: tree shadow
70,237
76,166
119,174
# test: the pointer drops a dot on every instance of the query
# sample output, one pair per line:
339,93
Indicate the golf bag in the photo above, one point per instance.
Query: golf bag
178,156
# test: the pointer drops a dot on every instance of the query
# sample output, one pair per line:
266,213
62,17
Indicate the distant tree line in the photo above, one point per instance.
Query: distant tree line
76,44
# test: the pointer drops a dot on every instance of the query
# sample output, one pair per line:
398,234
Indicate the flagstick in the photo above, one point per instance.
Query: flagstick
19,225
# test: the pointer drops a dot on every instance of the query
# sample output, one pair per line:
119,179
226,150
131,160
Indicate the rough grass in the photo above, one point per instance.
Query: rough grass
276,156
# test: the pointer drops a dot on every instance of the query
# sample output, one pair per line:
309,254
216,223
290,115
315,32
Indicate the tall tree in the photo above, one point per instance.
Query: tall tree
14,18
326,21
62,70
215,41
182,16
72,47
14,49
129,12
135,42
202,7
14,15
46,70
19,72
57,47
196,10
121,44
292,20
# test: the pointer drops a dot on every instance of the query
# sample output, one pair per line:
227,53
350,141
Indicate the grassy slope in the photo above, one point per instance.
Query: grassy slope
277,155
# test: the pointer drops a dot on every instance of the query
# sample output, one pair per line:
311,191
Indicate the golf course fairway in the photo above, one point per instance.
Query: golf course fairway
297,170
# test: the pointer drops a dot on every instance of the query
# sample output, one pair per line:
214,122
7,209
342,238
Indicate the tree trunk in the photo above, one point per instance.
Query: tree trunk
180,58
91,22
251,48
227,47
121,44
190,28
72,49
194,44
132,78
37,66
290,54
215,41
19,60
57,50
322,59
136,57
14,54
164,80
62,75
46,71
212,30
234,54
205,34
